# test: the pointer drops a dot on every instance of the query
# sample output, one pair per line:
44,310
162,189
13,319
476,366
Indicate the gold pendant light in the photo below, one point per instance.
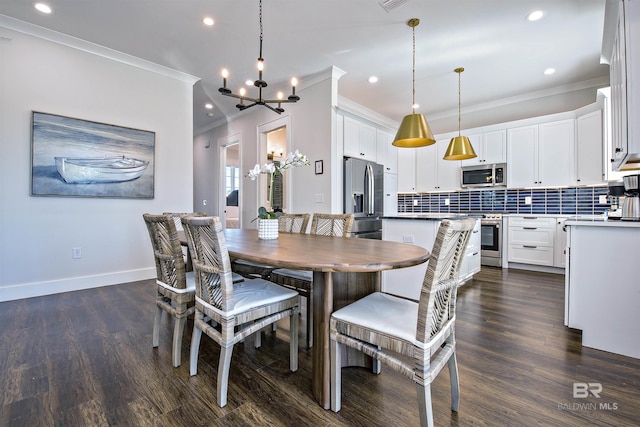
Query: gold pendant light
414,130
460,147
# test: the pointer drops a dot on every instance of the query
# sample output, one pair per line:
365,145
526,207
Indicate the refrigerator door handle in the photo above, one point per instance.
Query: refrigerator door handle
369,190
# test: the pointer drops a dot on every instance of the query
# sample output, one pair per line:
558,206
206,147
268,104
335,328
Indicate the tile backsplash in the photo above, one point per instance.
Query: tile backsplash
558,201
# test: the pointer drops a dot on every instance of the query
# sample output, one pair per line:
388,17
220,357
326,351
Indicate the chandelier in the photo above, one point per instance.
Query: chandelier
260,84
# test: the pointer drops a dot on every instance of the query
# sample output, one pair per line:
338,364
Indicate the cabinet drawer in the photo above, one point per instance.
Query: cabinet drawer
532,221
532,236
539,255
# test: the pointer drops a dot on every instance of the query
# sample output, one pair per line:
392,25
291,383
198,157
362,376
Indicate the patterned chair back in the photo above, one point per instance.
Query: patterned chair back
211,263
167,251
336,225
440,285
293,223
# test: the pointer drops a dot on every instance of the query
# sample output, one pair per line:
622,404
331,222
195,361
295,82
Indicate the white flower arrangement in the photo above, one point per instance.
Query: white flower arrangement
294,159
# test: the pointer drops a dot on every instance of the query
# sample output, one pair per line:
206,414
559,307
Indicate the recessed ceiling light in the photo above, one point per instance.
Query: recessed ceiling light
535,15
208,106
207,21
248,82
549,71
44,8
373,79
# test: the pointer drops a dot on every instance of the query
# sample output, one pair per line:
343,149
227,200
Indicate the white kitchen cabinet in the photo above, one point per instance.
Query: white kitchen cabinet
470,263
359,140
406,170
491,147
536,240
622,27
386,152
589,149
433,173
531,240
601,285
560,245
390,185
541,155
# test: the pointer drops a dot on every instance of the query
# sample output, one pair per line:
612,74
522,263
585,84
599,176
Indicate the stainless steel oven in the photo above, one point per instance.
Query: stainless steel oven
491,240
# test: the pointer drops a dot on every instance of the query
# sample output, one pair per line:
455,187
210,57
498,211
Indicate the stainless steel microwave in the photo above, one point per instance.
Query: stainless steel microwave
494,175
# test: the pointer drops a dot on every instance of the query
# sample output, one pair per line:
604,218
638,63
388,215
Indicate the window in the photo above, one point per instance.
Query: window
232,179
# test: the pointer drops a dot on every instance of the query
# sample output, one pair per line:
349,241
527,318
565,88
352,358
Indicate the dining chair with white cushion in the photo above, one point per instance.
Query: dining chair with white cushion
336,225
175,287
227,312
385,326
177,218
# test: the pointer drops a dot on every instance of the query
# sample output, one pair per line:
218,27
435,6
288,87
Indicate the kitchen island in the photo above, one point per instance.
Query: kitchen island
602,285
421,229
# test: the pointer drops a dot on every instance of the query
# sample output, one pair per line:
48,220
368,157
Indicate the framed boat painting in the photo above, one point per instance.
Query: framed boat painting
79,158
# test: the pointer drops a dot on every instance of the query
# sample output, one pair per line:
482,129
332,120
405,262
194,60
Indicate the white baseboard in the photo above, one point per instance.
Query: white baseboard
36,289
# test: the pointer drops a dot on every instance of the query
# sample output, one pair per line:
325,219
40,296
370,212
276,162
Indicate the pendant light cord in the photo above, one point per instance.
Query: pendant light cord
413,72
260,56
459,96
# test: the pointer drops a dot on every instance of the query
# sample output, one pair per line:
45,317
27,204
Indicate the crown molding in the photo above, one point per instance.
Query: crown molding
95,49
596,83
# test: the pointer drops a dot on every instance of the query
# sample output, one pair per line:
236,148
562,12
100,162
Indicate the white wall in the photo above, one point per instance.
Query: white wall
311,131
37,234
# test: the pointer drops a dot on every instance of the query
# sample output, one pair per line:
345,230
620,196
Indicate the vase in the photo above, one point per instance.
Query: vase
267,229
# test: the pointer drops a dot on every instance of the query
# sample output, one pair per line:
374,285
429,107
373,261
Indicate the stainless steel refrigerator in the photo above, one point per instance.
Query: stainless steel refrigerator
364,197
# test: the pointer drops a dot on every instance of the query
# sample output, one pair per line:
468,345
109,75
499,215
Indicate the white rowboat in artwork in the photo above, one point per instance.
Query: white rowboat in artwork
87,170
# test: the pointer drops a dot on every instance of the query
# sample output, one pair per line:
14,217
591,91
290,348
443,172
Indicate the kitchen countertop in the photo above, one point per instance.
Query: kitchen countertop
432,216
600,221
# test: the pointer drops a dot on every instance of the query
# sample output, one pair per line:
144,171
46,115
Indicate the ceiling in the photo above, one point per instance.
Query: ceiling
503,54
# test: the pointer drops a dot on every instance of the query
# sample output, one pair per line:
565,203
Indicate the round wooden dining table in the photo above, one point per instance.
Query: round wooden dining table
344,270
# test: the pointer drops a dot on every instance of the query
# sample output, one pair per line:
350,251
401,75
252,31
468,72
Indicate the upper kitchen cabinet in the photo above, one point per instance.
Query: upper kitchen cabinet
433,173
359,140
387,154
407,169
590,168
491,147
541,155
620,46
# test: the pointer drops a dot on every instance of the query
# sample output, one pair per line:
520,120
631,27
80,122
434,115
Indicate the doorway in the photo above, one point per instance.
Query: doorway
229,182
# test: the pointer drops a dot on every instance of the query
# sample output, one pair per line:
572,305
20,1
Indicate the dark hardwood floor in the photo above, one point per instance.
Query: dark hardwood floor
85,359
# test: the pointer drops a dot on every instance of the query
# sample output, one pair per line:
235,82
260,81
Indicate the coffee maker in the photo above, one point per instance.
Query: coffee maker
631,204
615,198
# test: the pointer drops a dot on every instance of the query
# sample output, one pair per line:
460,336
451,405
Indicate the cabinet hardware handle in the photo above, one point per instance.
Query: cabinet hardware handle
529,247
618,150
475,231
529,228
530,217
475,253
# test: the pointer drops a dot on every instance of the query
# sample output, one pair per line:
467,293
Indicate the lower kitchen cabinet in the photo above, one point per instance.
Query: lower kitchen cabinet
601,284
536,240
471,261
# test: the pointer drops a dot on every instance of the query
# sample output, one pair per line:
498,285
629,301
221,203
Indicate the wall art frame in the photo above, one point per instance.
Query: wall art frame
73,157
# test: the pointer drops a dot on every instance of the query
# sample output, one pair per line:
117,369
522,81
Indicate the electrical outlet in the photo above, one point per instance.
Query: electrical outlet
415,202
408,239
76,253
527,200
602,199
447,201
319,198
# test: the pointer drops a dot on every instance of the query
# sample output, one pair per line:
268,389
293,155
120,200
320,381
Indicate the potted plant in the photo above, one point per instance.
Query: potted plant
268,220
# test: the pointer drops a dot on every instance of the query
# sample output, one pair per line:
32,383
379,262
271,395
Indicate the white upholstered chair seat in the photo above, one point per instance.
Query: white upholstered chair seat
383,313
254,293
191,284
